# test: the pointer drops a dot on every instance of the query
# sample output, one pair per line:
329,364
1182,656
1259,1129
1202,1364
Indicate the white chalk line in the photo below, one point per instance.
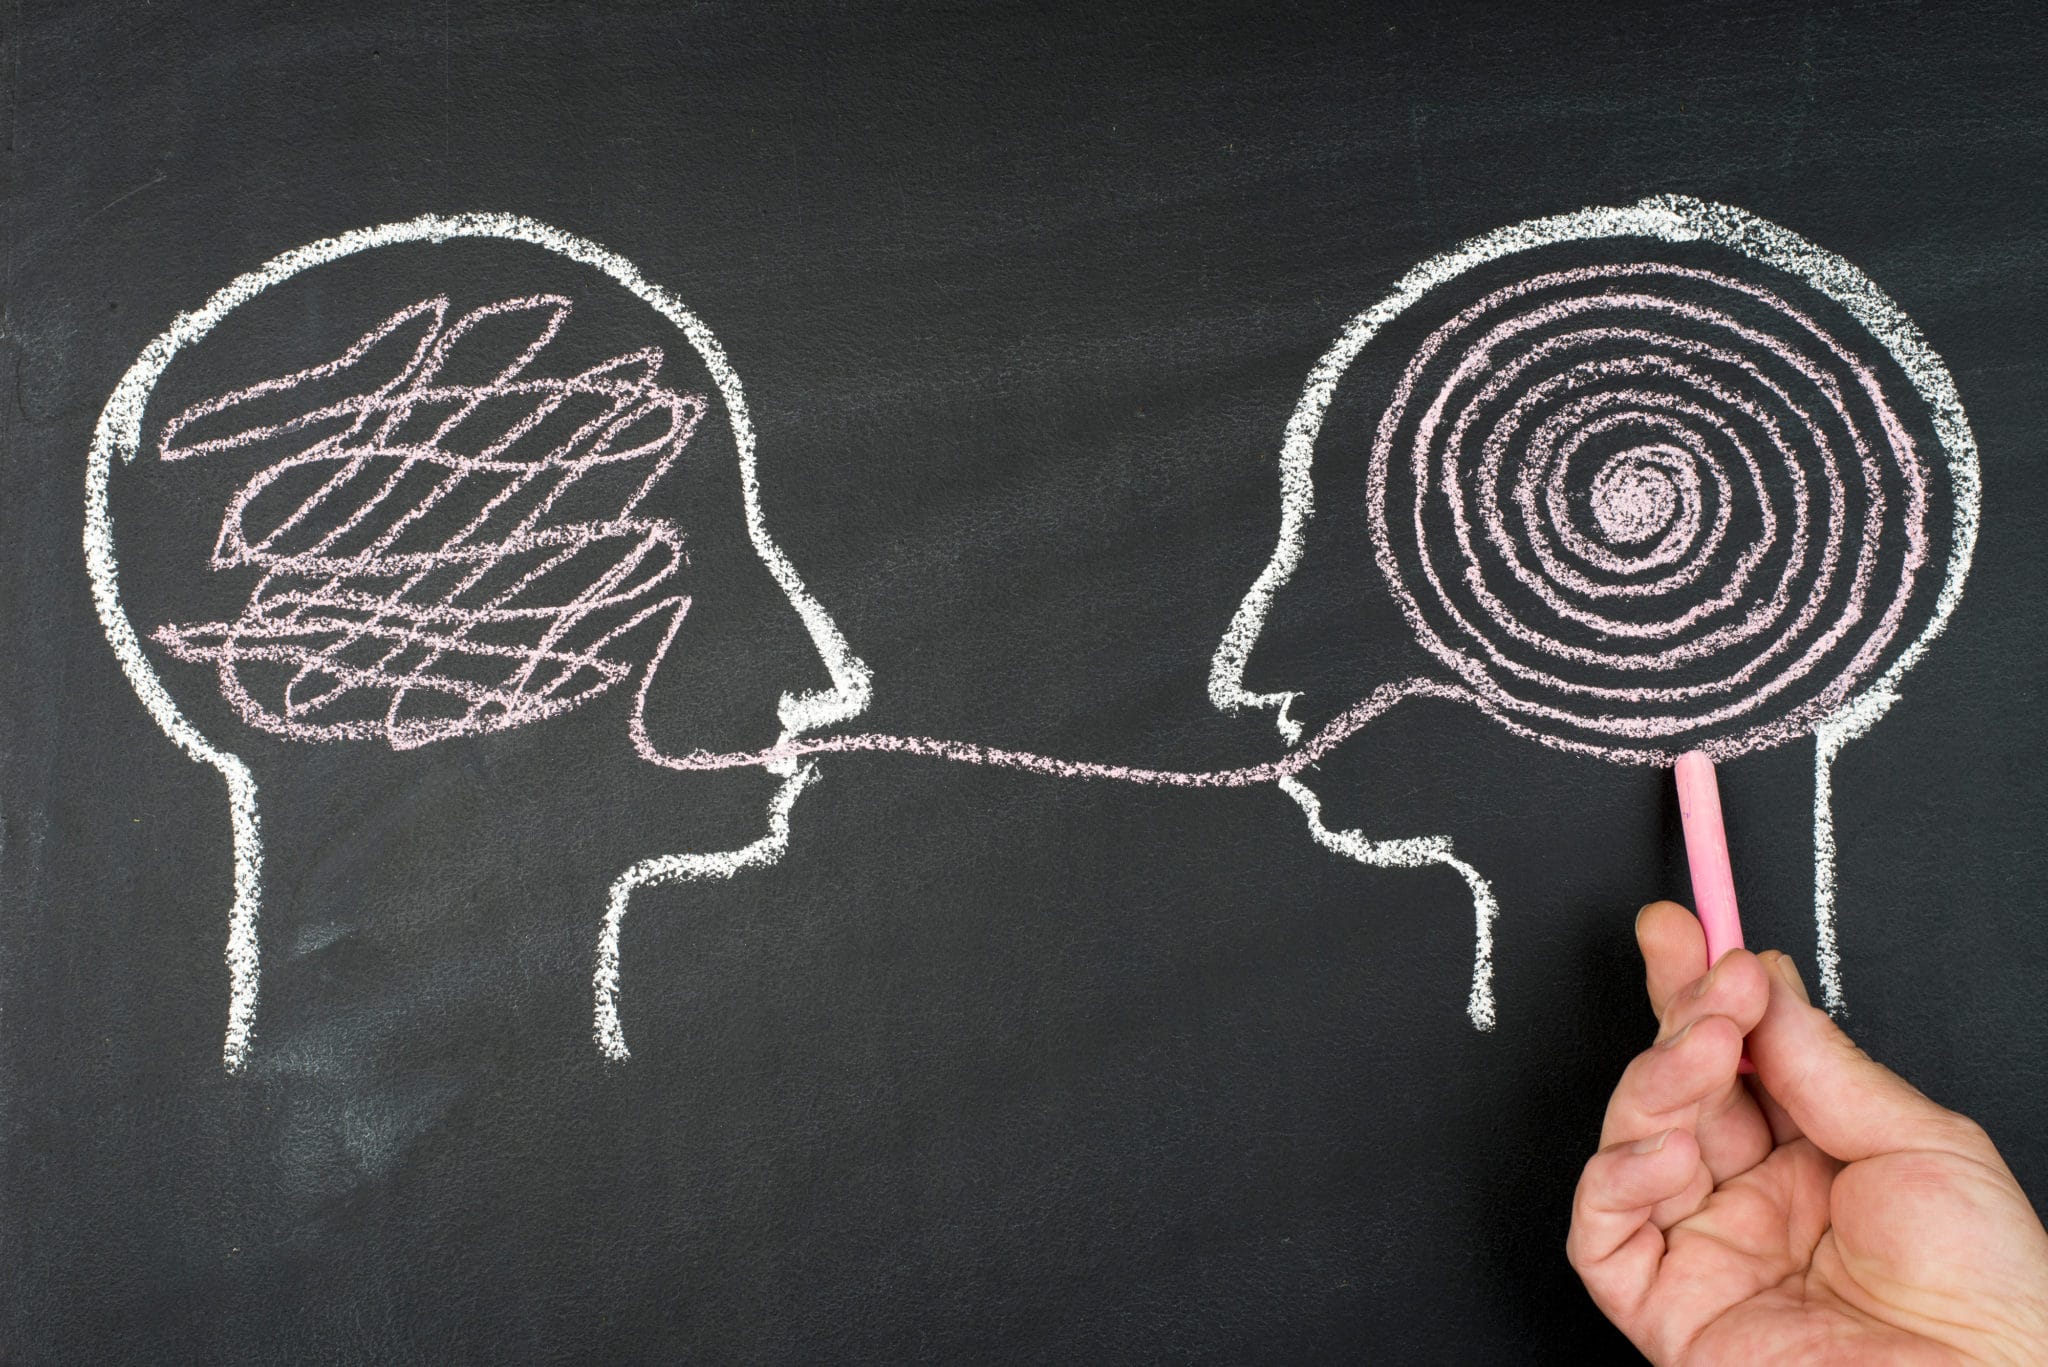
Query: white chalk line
1670,218
1416,852
680,868
1829,738
1387,854
1666,218
119,432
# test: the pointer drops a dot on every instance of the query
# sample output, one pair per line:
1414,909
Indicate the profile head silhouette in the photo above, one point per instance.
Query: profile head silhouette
374,497
1636,481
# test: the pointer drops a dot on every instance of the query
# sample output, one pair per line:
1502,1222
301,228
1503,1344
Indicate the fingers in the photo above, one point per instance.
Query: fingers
1614,1245
1849,1105
1674,951
1737,987
1688,1077
1784,1129
1672,1078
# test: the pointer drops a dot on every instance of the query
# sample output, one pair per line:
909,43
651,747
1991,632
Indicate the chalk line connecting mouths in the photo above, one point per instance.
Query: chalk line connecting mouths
309,611
1412,853
1635,498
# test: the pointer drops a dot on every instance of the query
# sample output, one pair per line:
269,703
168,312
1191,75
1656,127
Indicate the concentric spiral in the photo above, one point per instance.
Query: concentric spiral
1642,506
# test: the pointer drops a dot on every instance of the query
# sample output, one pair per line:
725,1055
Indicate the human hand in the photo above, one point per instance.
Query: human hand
1824,1212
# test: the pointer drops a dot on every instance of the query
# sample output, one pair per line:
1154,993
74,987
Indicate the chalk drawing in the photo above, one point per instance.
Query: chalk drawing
1669,395
371,628
1661,410
118,436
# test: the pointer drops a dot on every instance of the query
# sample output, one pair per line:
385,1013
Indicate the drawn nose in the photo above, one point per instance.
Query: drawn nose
1331,634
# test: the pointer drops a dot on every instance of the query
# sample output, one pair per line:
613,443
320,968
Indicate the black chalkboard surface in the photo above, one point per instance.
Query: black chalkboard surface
807,683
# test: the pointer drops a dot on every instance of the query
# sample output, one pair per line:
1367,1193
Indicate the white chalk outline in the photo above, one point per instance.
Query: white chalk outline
1666,218
1669,218
1416,852
119,432
680,868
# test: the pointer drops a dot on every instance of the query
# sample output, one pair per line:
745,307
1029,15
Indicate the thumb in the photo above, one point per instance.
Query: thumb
1846,1102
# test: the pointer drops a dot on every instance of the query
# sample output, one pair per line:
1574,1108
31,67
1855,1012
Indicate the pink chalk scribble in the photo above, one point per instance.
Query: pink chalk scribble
1627,509
1576,444
421,575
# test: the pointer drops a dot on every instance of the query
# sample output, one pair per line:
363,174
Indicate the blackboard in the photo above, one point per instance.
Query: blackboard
997,328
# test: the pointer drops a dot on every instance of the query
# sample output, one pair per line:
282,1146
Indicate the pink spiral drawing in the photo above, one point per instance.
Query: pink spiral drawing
1639,508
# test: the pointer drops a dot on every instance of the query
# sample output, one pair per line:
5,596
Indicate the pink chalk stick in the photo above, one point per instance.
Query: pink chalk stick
1706,851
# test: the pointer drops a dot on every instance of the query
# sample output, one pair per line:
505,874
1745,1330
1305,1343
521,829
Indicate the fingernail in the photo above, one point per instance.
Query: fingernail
1650,1145
1789,971
1672,1043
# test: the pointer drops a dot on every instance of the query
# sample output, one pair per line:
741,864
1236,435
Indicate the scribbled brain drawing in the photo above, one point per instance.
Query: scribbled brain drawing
419,576
1693,483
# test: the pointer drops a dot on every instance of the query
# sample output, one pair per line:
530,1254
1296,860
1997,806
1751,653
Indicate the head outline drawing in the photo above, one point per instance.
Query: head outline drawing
1668,218
118,434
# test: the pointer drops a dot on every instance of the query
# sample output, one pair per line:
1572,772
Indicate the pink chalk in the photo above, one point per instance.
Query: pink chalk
1706,851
